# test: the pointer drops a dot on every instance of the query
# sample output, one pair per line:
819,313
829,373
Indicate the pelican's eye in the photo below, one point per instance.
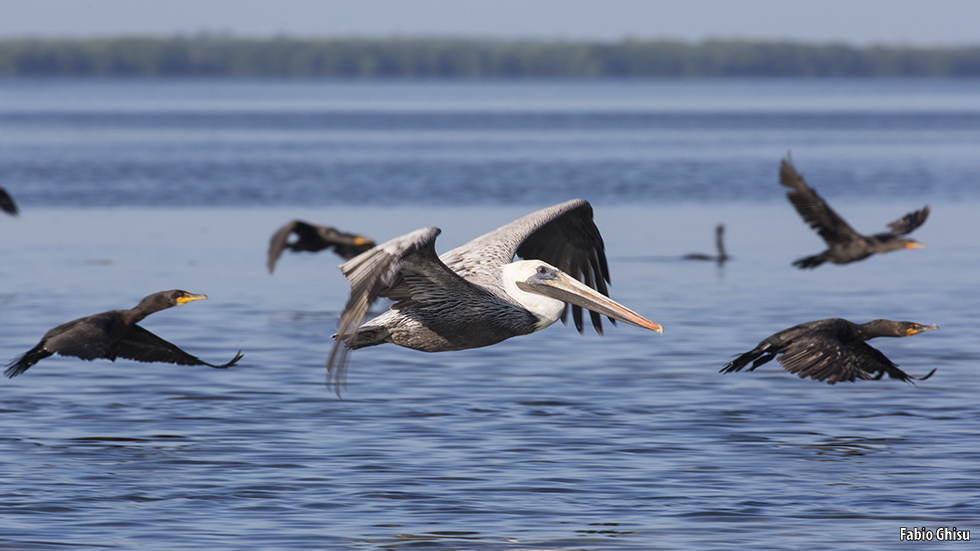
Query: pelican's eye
542,270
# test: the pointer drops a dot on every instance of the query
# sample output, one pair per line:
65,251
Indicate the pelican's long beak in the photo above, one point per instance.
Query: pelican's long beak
919,329
915,245
568,289
190,297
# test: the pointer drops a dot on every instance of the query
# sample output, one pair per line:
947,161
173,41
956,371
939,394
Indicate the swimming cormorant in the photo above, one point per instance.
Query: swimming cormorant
115,334
313,238
833,350
7,203
844,244
719,243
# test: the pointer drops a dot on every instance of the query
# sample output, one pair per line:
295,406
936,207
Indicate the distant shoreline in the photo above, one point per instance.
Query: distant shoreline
473,59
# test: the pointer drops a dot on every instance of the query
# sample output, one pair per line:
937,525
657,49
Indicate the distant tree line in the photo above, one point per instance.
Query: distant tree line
208,56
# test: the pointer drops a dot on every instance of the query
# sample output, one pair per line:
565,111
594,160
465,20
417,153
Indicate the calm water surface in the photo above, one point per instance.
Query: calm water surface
549,441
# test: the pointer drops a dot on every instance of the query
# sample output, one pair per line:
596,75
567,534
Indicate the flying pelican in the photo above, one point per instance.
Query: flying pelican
313,238
475,295
719,243
7,203
844,244
833,350
115,334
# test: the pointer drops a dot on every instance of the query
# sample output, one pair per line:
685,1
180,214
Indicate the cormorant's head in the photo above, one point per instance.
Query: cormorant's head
181,297
166,299
888,328
913,328
911,244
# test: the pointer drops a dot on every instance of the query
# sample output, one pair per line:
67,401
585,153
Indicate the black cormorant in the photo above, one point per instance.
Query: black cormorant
844,244
833,350
315,238
115,334
719,243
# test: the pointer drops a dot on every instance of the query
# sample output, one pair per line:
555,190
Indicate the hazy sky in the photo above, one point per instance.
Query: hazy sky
916,22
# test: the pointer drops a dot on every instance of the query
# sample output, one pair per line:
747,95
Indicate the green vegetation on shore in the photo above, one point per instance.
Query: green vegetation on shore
448,58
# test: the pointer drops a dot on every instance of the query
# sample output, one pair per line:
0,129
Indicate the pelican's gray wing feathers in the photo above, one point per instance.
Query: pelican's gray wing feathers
564,236
372,274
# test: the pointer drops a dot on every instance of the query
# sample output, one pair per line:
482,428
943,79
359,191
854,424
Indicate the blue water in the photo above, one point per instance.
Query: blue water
549,441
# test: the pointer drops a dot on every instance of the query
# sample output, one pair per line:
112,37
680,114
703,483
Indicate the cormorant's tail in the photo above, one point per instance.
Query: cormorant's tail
24,362
810,261
758,356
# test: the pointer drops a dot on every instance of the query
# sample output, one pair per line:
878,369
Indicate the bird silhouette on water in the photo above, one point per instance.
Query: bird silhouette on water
313,238
722,256
115,334
844,244
833,350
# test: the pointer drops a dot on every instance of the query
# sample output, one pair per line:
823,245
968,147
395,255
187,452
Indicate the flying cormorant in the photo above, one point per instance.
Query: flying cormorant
313,238
833,350
115,334
844,244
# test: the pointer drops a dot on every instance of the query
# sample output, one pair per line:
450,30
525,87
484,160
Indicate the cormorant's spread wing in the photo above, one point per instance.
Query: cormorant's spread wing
564,236
822,358
23,362
871,360
7,202
909,222
141,345
85,338
373,274
306,232
814,210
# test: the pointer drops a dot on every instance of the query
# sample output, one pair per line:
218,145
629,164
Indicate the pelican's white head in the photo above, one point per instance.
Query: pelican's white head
543,290
547,309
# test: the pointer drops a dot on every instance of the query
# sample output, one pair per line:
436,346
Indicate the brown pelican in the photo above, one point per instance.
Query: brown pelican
475,295
115,334
719,243
833,350
313,238
7,203
844,244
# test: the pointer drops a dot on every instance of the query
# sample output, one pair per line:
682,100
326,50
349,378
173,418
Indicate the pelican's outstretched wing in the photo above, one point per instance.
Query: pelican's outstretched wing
564,236
814,210
909,222
374,274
